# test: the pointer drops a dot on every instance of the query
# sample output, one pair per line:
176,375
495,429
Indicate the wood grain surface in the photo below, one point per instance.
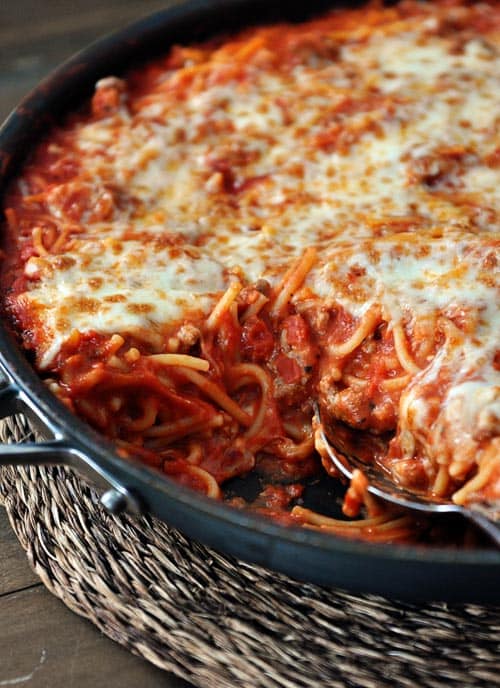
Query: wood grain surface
37,35
42,644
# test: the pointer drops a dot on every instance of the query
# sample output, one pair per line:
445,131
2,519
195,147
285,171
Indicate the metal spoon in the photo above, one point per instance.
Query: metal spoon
485,516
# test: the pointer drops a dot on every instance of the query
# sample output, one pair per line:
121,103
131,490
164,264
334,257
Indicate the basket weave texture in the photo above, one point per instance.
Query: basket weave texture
218,622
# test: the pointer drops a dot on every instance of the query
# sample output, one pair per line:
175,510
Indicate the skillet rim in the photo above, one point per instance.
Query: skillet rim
268,543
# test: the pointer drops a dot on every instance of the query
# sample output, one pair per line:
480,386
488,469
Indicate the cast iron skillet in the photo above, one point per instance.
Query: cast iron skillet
413,573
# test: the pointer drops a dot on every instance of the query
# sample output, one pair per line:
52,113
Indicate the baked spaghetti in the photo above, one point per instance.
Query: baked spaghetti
293,213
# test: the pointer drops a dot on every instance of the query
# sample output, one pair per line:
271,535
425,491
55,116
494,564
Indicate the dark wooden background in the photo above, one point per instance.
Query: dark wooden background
42,644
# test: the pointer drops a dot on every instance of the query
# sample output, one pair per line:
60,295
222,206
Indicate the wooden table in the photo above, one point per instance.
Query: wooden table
42,644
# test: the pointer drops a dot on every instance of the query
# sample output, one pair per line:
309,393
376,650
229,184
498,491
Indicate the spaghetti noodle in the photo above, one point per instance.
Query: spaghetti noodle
293,213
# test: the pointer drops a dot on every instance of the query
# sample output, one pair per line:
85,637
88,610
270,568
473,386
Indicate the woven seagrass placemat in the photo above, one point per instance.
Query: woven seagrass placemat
221,623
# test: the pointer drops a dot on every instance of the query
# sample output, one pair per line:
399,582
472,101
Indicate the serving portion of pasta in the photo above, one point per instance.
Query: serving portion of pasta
298,212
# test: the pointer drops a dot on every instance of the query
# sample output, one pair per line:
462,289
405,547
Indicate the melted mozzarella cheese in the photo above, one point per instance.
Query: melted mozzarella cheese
108,286
418,275
380,156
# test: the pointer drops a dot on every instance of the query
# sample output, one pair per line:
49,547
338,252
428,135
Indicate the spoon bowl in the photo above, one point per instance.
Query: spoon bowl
484,516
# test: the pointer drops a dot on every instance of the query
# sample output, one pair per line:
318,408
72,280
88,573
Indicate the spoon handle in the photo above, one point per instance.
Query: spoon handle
487,525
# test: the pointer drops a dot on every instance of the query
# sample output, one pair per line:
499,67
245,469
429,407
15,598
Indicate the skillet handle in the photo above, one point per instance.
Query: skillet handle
52,451
31,453
115,497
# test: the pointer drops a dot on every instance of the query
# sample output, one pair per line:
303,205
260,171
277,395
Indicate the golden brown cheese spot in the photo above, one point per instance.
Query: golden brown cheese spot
86,305
115,298
63,324
63,262
140,308
95,282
